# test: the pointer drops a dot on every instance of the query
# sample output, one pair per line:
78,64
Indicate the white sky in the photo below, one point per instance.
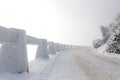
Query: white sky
64,21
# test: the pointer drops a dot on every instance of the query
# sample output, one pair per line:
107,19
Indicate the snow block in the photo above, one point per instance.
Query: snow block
51,48
42,51
13,56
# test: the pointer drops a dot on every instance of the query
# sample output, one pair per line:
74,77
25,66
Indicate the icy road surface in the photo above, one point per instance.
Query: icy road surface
82,64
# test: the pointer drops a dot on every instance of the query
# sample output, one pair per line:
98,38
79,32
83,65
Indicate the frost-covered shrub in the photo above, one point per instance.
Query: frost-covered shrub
111,37
105,33
113,44
97,43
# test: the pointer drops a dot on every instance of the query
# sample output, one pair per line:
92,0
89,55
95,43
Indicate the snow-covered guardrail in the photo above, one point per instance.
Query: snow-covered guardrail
13,53
42,51
33,40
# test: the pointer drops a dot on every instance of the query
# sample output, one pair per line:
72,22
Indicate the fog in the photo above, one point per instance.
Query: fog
64,21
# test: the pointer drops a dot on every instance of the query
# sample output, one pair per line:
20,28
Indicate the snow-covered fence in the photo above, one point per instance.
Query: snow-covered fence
13,53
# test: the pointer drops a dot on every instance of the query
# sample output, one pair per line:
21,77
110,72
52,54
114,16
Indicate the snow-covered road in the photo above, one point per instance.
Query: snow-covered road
82,64
85,64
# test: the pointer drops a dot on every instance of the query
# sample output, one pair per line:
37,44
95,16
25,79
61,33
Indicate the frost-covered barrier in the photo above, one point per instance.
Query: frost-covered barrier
68,47
13,55
51,48
42,51
61,46
57,48
65,48
111,37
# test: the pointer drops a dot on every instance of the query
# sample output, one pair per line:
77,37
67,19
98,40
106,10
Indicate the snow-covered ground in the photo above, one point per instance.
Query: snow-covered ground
81,64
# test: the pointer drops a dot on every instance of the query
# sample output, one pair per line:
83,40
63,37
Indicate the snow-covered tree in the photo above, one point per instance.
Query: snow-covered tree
97,43
111,37
105,33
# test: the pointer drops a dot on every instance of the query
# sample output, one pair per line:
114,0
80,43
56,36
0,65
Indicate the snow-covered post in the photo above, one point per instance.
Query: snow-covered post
51,48
7,35
42,51
77,47
71,47
64,47
57,49
68,48
13,55
61,47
